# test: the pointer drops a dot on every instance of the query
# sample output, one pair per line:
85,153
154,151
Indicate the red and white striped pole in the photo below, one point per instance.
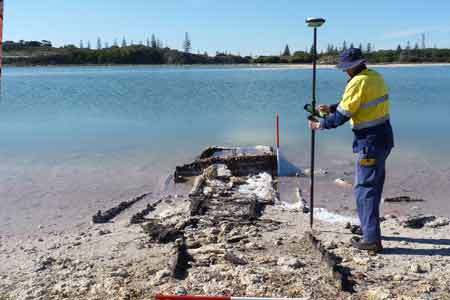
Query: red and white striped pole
278,130
187,297
1,39
278,144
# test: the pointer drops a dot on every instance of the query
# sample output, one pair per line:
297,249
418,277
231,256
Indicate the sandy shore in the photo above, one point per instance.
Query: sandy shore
269,257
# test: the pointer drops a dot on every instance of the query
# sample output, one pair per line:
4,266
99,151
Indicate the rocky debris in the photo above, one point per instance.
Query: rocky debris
397,277
181,291
402,199
290,262
416,221
198,205
104,217
234,259
355,229
139,217
260,186
302,204
104,231
438,222
330,245
120,273
44,263
219,171
415,268
342,182
236,238
317,172
179,262
238,180
378,294
224,243
340,274
197,187
161,233
421,268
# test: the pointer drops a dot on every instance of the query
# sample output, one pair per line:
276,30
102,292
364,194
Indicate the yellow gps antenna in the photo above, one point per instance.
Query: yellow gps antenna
314,23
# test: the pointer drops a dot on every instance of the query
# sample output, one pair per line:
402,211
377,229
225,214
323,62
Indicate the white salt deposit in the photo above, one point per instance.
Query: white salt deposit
322,214
260,186
333,218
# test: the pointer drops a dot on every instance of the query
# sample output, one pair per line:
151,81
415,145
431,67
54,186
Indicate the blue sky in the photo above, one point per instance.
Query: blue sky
238,26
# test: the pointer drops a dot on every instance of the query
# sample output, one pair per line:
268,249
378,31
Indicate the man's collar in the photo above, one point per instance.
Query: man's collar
360,69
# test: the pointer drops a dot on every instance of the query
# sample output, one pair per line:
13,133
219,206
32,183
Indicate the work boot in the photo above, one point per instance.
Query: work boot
361,244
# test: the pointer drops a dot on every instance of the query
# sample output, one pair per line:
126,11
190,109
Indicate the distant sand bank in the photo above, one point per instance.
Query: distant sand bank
309,66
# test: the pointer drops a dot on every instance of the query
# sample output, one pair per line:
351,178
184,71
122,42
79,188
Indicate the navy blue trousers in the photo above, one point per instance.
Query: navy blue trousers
368,187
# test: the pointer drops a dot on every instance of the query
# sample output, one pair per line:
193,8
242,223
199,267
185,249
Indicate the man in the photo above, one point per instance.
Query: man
366,104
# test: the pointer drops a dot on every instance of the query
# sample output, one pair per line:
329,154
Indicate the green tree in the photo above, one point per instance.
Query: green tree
154,43
344,45
187,46
286,51
311,50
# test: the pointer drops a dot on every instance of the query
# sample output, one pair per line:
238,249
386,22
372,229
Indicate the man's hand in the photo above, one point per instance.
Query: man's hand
324,108
314,124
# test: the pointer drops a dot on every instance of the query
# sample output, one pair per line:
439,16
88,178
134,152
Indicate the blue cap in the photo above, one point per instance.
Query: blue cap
350,58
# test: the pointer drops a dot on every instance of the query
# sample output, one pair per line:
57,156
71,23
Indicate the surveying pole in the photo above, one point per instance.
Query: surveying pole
314,23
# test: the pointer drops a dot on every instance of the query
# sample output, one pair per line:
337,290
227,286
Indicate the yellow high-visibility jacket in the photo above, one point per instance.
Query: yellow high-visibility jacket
366,104
365,100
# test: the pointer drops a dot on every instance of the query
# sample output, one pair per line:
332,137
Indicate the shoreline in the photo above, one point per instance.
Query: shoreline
64,210
117,260
230,66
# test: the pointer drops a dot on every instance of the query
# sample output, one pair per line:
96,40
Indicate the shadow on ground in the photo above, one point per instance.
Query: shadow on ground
415,251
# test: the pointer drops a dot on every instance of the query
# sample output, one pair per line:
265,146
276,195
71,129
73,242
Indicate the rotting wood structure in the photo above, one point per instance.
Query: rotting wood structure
241,161
222,213
221,223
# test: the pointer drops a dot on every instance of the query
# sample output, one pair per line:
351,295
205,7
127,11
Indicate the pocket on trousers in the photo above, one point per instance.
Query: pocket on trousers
366,170
367,162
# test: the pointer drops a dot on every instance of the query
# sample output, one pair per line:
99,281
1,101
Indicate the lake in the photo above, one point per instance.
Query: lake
77,139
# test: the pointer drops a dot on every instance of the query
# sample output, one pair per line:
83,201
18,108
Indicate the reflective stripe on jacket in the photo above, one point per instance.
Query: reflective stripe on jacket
365,100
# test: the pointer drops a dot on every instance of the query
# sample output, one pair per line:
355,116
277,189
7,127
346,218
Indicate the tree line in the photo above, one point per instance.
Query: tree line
133,54
152,51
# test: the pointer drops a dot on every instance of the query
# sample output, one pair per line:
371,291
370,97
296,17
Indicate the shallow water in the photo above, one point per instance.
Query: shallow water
74,139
